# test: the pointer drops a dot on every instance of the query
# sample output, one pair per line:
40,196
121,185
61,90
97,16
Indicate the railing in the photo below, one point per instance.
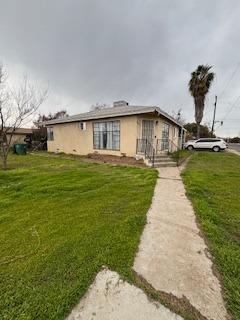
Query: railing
166,145
145,146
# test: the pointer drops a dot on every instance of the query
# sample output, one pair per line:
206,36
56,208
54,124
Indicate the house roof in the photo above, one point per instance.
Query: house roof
113,112
19,130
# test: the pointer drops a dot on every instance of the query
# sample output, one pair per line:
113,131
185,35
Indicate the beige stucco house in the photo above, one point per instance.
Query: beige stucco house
120,130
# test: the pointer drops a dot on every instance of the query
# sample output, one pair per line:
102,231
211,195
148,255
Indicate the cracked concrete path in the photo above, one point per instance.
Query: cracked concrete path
172,256
110,298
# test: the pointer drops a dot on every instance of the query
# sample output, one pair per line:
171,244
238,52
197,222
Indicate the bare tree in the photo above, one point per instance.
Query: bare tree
57,115
178,116
17,108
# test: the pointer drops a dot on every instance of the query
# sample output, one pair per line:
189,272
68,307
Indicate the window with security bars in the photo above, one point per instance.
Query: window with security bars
106,135
50,135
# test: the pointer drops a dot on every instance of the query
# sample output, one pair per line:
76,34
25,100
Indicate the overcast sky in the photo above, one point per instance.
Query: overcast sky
142,51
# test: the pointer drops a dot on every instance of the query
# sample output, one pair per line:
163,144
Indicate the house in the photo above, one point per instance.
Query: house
19,135
122,130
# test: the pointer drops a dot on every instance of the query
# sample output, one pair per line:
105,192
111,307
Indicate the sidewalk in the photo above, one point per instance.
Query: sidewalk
173,256
233,151
110,298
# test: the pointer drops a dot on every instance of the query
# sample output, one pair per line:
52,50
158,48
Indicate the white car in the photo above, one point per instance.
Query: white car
213,144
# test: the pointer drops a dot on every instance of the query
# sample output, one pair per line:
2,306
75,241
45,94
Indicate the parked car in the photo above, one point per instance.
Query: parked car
213,144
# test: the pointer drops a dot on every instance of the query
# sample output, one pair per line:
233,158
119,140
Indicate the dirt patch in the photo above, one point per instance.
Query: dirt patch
97,158
180,306
122,160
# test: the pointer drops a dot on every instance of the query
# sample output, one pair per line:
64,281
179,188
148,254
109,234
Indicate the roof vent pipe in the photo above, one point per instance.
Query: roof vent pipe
121,103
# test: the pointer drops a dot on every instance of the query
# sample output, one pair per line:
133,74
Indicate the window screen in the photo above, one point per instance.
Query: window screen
50,135
106,135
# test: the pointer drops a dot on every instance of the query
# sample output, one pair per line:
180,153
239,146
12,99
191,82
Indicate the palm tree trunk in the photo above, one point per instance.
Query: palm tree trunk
198,130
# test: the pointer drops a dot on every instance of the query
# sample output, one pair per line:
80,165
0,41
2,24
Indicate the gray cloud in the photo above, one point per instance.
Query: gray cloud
141,50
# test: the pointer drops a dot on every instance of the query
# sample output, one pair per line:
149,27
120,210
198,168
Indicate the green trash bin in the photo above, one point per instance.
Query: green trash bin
20,148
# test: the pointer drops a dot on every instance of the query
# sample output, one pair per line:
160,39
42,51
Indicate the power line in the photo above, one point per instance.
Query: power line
229,81
226,86
233,105
229,110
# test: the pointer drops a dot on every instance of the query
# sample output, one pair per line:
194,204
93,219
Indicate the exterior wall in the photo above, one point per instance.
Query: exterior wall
68,137
17,138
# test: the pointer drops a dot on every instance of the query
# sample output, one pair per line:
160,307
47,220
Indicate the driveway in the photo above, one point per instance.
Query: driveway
173,256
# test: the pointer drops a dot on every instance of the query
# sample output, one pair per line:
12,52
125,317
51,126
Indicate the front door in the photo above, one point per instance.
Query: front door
165,136
147,132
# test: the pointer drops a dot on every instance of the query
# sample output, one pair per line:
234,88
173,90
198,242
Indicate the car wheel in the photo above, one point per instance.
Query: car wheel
216,149
190,147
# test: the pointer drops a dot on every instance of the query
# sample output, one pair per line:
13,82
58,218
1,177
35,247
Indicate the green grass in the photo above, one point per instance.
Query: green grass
213,184
60,222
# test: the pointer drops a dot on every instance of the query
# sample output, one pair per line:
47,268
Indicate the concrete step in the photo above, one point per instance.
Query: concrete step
162,160
162,155
165,164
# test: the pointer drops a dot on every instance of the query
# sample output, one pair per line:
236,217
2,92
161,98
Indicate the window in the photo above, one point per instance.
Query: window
50,135
174,132
207,140
165,131
106,135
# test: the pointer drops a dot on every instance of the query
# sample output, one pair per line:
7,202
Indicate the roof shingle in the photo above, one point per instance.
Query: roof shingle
111,113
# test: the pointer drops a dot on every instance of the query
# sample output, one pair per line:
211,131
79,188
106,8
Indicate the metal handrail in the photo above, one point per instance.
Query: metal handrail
174,147
145,146
166,145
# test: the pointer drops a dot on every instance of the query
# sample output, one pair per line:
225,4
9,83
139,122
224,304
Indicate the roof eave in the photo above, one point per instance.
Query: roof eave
168,117
95,117
61,121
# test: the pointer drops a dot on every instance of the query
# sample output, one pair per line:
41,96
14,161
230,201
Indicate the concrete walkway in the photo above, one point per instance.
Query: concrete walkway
173,257
110,298
234,151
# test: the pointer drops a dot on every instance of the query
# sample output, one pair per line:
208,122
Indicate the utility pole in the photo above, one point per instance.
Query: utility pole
214,114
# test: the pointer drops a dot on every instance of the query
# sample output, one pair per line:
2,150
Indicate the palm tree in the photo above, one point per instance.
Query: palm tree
199,85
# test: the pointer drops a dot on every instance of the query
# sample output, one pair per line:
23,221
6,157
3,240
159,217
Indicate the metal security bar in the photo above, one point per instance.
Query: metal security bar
166,145
144,146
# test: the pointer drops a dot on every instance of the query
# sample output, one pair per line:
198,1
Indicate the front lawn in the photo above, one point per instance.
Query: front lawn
60,222
212,181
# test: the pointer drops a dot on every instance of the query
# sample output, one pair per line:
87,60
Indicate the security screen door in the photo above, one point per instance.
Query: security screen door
148,130
165,136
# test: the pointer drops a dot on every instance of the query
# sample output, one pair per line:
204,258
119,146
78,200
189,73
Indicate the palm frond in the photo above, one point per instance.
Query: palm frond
198,86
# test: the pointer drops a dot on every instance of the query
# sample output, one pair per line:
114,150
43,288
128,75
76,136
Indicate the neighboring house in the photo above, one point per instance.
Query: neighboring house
120,130
19,134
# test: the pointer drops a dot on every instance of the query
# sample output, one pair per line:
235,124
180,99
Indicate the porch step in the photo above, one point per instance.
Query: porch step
165,164
163,160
